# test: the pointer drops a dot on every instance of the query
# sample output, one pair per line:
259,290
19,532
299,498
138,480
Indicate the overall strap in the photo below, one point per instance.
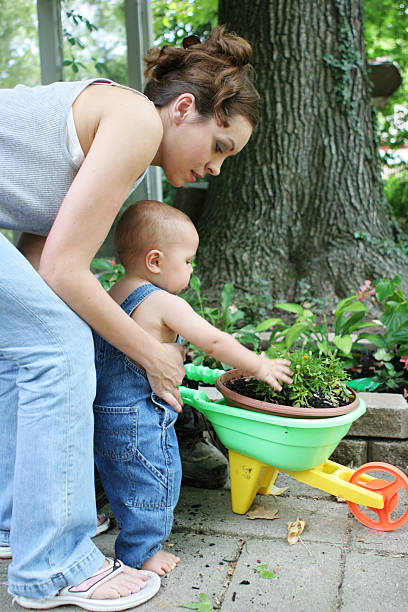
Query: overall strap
137,296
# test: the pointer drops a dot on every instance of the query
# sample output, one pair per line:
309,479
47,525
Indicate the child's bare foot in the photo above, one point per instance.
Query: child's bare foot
161,562
127,582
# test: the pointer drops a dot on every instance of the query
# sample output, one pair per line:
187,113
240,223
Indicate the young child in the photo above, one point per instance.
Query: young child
136,449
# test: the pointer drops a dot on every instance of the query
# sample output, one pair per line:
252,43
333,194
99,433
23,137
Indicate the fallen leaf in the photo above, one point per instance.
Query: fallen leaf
259,512
204,605
341,500
263,571
295,528
360,539
277,490
276,568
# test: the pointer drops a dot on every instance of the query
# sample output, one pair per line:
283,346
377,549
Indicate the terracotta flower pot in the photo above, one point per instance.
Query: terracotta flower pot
241,401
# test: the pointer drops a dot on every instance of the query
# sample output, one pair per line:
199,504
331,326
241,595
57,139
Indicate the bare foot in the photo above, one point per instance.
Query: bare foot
161,562
125,583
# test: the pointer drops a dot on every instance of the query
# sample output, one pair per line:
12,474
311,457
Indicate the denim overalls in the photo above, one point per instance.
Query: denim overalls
136,449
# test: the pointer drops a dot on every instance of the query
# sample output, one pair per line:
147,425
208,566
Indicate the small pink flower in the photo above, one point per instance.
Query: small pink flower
365,290
113,261
404,360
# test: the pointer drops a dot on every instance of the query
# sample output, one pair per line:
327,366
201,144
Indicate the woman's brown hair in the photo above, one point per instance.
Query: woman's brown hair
217,72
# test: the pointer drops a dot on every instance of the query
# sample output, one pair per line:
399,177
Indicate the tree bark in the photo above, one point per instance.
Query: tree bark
304,199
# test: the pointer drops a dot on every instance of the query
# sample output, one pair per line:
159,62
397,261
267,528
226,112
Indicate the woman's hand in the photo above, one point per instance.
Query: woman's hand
168,374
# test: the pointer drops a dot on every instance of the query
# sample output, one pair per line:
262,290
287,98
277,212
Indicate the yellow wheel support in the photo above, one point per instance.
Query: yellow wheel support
334,478
250,476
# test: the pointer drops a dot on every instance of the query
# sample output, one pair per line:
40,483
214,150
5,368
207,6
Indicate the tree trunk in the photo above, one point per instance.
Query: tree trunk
304,199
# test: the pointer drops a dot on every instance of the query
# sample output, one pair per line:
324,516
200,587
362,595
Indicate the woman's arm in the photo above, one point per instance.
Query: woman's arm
180,317
128,132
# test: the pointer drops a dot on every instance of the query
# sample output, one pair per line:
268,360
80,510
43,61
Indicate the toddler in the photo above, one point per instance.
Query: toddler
136,449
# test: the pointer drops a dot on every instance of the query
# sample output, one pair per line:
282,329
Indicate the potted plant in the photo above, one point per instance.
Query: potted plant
319,388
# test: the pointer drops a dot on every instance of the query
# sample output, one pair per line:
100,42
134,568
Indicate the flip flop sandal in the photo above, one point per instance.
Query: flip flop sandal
5,552
80,594
103,525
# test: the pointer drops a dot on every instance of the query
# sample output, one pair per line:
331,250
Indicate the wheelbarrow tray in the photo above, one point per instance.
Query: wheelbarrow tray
283,442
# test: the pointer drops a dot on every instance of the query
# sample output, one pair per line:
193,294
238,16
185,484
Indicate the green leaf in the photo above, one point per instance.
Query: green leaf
376,339
293,333
204,605
249,339
354,307
266,574
397,336
263,571
290,307
382,355
344,343
363,324
233,317
324,347
395,316
226,295
100,263
265,325
343,304
195,283
349,323
385,287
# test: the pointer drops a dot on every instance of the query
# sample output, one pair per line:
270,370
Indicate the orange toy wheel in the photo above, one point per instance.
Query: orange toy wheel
394,492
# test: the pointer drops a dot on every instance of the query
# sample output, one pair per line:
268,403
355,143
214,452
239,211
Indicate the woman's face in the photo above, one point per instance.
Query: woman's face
193,147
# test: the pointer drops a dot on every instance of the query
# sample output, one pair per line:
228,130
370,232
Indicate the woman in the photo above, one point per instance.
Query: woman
70,155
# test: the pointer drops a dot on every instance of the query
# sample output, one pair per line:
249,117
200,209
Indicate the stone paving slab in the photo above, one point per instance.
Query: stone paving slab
204,565
392,542
374,583
338,566
326,521
306,579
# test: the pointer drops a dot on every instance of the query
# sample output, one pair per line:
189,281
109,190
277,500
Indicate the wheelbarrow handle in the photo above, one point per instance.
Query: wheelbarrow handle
202,373
195,398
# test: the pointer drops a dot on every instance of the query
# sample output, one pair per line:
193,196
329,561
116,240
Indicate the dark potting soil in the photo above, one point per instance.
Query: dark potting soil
248,387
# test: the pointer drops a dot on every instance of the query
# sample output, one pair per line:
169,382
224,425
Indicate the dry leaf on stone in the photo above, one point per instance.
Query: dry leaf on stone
277,490
259,512
295,528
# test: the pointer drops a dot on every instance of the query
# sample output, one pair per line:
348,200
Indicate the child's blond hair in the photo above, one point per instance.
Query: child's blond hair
147,225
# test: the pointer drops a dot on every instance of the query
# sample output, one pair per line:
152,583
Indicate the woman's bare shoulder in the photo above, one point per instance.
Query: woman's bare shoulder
117,104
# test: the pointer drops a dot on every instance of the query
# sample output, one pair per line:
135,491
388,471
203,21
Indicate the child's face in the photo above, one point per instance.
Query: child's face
176,267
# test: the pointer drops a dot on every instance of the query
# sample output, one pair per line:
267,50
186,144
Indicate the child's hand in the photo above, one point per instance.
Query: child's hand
274,370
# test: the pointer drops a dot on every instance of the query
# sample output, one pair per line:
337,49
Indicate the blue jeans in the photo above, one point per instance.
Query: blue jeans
136,449
47,386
